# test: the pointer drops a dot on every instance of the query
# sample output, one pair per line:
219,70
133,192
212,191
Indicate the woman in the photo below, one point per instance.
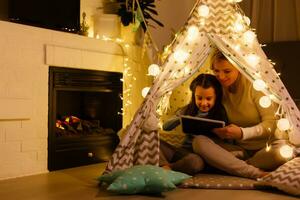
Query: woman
251,127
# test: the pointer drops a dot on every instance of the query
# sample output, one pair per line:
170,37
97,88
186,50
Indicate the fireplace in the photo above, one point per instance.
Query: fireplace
83,116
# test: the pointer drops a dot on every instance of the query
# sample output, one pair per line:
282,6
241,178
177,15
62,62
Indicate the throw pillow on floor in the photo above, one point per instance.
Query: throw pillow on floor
146,179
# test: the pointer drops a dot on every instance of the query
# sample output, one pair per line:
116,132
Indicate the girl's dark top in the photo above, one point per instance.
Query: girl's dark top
217,114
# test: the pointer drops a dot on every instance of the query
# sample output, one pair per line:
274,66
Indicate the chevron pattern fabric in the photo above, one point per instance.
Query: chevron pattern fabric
285,178
221,17
172,138
144,151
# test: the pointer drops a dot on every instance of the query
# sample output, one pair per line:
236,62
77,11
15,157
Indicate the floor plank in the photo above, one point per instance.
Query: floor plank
80,184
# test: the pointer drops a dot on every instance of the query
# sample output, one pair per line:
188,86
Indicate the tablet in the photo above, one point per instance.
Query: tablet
198,125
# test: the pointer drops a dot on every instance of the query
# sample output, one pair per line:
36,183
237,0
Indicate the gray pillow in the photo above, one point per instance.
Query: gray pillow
285,178
217,181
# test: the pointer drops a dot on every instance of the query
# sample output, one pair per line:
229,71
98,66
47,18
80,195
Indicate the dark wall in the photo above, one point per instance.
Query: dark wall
286,55
4,10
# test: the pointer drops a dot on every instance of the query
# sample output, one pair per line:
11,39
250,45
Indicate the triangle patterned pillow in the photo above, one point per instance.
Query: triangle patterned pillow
285,178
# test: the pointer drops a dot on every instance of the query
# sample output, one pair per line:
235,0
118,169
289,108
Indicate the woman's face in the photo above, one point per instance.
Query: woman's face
225,72
205,98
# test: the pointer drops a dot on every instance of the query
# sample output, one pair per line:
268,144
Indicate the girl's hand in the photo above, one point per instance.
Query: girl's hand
229,132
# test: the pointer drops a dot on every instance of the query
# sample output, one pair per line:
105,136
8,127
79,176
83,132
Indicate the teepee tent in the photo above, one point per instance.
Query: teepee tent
212,24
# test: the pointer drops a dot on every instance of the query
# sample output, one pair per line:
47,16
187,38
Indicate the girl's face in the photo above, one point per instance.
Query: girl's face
205,98
225,72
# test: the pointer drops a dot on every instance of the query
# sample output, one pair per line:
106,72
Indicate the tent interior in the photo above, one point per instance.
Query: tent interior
212,25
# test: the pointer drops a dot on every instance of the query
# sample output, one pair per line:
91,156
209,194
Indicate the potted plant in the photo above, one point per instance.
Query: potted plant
130,11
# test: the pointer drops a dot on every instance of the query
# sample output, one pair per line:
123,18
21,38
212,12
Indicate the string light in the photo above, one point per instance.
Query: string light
265,101
153,70
252,60
234,1
247,20
286,151
203,11
249,37
128,77
238,27
193,32
145,91
181,56
268,147
237,47
283,124
259,85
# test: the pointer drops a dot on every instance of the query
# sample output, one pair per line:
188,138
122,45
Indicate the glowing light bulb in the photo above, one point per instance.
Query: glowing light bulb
145,91
181,56
247,20
238,27
249,37
179,74
259,85
203,11
265,101
286,151
153,70
202,22
193,32
283,124
237,47
268,147
252,59
234,1
187,69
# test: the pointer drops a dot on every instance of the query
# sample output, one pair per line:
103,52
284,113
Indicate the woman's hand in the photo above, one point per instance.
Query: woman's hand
231,131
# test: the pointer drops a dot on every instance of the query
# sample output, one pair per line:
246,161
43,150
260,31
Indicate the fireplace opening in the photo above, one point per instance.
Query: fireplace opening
83,116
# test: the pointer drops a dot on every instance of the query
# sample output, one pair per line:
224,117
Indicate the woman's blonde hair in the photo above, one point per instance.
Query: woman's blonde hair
218,55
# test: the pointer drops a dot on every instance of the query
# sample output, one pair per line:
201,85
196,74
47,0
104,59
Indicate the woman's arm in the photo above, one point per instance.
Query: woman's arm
267,125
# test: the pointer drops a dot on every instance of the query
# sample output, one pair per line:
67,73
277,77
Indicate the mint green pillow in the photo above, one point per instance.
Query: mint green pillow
146,179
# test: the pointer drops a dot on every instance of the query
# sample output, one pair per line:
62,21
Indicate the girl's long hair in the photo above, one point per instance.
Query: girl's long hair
205,81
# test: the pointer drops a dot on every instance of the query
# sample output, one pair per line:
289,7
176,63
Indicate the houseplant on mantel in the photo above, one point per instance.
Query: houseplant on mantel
133,14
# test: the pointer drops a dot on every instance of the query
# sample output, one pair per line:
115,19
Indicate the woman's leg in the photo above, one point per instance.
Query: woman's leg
269,159
190,164
222,159
166,153
179,159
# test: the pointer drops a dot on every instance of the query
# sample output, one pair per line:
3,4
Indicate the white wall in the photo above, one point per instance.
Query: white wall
25,54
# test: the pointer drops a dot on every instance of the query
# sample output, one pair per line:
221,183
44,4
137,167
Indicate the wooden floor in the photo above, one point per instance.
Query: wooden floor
81,184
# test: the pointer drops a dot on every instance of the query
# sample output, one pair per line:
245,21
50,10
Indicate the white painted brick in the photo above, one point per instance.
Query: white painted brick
29,130
20,82
29,161
13,131
7,149
35,168
34,145
42,156
2,135
15,108
11,170
3,86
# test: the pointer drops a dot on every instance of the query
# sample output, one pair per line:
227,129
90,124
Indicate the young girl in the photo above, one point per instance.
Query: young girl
206,103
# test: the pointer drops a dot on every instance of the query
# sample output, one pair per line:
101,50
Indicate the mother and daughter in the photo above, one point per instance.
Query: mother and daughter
239,147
